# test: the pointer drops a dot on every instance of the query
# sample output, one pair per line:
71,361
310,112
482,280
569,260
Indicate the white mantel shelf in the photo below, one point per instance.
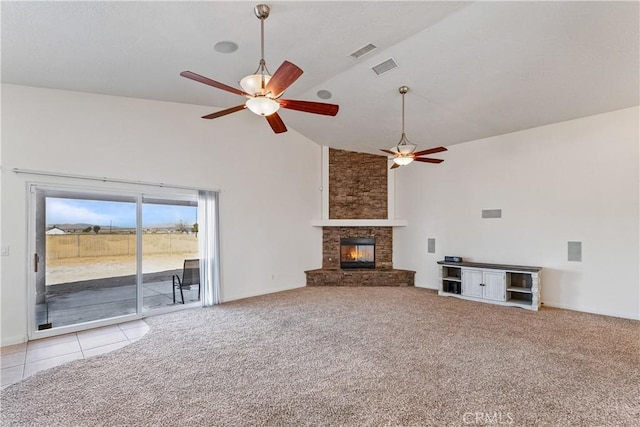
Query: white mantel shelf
359,223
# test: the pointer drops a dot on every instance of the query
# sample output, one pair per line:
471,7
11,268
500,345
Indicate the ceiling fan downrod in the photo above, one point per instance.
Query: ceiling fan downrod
404,146
262,12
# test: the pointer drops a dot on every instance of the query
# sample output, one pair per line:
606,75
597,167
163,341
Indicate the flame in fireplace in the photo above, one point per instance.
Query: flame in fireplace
360,253
357,253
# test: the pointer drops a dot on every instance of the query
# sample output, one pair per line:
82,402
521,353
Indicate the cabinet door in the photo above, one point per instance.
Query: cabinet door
472,283
494,286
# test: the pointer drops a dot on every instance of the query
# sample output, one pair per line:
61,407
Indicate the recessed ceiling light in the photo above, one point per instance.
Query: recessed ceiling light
225,47
324,94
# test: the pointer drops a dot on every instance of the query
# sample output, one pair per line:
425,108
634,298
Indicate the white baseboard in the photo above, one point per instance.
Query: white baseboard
264,292
632,316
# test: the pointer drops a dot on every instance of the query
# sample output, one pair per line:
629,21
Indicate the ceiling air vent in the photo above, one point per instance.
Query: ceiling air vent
385,66
363,51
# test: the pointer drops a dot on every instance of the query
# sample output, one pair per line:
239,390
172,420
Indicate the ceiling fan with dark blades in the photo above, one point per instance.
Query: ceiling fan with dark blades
405,152
263,90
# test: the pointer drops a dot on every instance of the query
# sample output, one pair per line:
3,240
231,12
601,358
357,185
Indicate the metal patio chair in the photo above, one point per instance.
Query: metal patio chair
190,277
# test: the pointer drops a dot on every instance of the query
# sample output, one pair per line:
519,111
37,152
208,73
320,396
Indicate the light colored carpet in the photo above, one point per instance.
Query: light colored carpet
353,357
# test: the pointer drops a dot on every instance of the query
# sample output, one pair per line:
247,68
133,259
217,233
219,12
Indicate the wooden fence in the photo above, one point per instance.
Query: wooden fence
98,245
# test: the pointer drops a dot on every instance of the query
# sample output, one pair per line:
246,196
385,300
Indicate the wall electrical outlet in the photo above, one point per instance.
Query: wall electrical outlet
4,250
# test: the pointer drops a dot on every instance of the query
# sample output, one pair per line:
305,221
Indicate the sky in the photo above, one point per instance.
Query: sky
117,214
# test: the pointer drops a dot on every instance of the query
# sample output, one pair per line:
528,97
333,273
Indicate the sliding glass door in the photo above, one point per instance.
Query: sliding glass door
100,255
169,241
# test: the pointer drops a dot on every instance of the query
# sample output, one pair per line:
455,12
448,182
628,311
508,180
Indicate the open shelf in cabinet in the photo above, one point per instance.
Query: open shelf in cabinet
519,288
451,286
520,298
452,274
519,282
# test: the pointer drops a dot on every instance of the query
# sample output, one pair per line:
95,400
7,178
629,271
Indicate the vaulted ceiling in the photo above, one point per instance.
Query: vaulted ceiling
474,69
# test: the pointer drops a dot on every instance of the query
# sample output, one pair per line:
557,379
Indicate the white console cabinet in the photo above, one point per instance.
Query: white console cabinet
512,285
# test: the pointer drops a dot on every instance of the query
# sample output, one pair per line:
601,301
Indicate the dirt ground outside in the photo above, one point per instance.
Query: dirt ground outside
66,270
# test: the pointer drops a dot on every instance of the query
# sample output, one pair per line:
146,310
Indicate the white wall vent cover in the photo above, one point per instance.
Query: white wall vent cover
385,66
363,51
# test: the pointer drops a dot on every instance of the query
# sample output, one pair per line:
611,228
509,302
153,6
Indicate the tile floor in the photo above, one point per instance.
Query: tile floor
23,360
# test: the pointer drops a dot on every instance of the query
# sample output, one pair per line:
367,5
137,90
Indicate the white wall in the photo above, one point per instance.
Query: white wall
269,183
570,181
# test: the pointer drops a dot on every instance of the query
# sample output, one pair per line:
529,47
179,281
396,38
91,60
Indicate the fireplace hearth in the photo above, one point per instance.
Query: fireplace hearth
358,252
376,255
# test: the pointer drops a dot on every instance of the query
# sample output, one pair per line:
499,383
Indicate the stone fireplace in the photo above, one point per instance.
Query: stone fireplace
332,236
357,191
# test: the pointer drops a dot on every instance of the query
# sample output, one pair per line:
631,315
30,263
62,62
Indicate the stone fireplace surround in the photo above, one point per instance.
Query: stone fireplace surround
331,244
358,190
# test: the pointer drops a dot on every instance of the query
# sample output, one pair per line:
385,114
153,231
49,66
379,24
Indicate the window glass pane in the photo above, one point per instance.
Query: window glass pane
169,242
88,251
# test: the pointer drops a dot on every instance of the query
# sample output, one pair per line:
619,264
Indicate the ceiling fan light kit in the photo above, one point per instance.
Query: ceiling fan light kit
263,90
404,151
405,147
254,84
402,160
262,106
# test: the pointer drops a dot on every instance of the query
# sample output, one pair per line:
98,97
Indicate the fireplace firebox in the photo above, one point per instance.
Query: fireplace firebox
358,252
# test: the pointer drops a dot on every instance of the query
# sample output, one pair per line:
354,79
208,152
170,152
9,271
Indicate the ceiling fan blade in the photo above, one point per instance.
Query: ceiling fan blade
310,107
430,151
427,160
284,76
276,123
395,165
208,81
225,112
389,152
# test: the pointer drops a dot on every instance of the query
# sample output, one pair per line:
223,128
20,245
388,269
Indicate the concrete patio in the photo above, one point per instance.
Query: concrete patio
88,300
